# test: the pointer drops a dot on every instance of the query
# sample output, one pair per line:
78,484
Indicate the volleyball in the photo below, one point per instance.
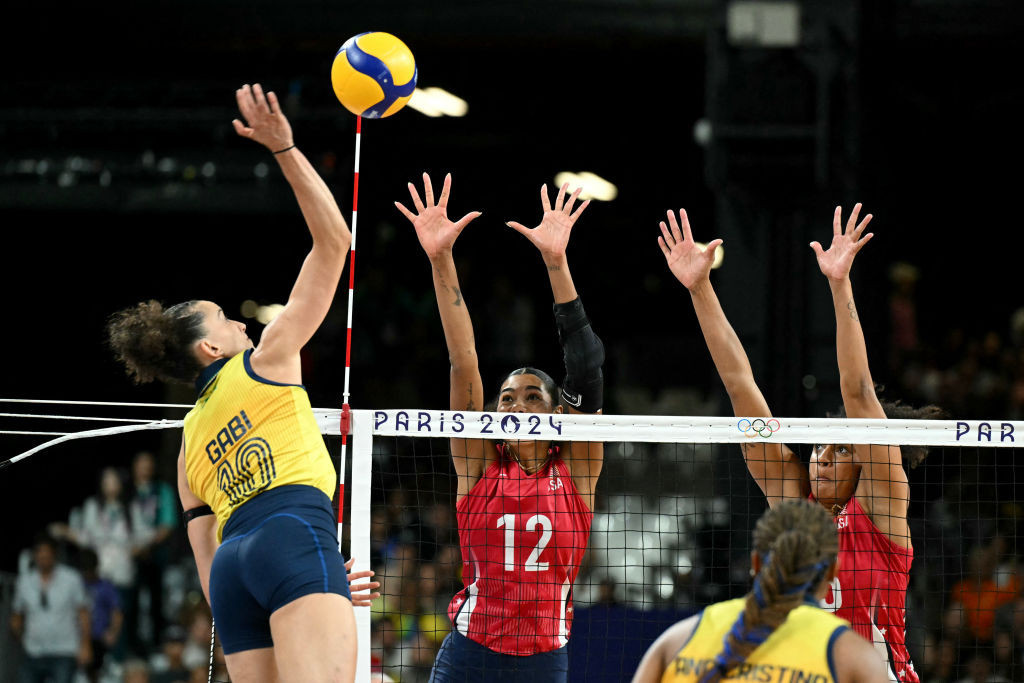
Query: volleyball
374,74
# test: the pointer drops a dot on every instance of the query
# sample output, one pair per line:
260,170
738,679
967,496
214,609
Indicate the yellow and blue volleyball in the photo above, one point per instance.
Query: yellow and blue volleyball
374,74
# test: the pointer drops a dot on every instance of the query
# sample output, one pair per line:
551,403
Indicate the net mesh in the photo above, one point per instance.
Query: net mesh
671,534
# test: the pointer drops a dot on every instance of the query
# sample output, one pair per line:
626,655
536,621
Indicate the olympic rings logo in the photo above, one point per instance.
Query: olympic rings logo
758,427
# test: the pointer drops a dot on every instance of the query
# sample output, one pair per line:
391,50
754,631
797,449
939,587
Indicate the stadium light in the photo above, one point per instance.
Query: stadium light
436,102
594,186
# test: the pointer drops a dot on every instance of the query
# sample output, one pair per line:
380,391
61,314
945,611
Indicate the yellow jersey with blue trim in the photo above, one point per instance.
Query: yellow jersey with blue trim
798,651
247,434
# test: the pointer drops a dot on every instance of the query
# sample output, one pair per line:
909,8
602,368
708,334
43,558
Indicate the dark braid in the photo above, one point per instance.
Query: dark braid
154,343
898,410
797,543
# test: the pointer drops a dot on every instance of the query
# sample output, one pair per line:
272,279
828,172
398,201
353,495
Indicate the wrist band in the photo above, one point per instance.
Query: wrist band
280,151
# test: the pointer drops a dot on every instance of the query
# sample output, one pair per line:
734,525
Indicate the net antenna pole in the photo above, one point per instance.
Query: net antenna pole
346,411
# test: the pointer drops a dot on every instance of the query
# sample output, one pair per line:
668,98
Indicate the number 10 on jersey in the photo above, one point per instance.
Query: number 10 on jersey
532,565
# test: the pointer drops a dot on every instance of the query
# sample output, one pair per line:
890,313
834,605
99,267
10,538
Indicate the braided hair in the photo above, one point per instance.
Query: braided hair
797,543
156,343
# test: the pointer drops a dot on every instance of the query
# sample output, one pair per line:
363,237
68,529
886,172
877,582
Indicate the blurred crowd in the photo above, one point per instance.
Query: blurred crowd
111,594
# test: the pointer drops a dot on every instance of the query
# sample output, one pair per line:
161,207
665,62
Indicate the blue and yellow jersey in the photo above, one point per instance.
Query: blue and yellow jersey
798,651
247,434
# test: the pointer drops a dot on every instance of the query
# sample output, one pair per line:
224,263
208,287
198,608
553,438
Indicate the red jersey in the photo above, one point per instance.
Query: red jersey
522,537
870,588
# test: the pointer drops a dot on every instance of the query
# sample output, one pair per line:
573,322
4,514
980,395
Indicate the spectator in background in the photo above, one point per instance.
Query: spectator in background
50,616
154,516
104,527
977,597
105,616
1009,640
172,667
135,671
196,652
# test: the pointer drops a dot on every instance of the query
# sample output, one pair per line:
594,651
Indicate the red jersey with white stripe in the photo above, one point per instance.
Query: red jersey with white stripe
870,588
522,537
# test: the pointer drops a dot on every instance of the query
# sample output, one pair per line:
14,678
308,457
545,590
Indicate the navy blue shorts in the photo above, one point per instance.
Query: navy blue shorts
461,660
277,547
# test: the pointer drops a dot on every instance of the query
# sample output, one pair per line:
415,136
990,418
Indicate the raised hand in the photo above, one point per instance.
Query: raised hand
835,262
551,237
264,121
360,592
437,234
689,262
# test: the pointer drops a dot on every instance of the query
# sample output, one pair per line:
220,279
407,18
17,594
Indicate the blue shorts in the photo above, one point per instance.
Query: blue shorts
277,547
461,660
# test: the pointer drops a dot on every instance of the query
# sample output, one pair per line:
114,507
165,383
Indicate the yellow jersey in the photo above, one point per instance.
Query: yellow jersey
798,651
247,434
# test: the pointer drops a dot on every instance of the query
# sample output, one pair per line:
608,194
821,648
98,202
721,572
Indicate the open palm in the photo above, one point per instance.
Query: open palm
436,232
689,262
551,237
836,261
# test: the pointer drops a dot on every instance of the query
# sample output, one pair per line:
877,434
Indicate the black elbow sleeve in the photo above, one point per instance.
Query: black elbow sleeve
583,353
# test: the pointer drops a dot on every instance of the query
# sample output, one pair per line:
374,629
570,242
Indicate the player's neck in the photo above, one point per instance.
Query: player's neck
530,455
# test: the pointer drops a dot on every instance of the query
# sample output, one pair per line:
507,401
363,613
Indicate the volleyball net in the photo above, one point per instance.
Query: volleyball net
673,514
673,510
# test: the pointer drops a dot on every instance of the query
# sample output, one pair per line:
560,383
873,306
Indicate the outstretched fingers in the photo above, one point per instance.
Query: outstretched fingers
666,236
567,207
560,196
661,243
576,214
241,128
428,190
259,99
684,220
275,106
416,198
545,202
466,220
446,189
851,222
859,244
405,212
676,234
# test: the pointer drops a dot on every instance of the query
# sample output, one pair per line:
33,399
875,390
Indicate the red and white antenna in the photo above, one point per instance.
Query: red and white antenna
346,413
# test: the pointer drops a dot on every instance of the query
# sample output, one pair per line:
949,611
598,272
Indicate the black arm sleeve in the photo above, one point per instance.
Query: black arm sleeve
583,352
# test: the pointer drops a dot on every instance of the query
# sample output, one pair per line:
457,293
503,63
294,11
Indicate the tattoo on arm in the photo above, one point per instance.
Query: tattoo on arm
458,297
853,310
552,269
470,405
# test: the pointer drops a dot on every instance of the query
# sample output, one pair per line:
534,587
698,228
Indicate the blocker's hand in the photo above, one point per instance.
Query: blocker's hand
835,263
551,237
264,121
688,262
437,234
361,595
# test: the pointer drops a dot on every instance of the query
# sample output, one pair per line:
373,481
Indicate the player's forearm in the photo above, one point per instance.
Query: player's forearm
851,351
203,539
724,345
455,320
323,217
562,286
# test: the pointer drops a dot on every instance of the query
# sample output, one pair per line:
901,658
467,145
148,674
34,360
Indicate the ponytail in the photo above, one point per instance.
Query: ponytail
154,343
797,543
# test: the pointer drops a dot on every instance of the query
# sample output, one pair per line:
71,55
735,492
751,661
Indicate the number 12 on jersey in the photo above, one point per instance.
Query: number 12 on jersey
532,565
